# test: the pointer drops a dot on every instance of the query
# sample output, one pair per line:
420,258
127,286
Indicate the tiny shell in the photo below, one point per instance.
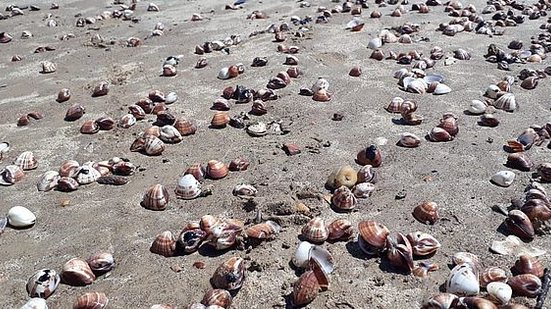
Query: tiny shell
101,262
244,190
528,265
63,95
43,283
100,89
503,178
371,155
19,216
74,112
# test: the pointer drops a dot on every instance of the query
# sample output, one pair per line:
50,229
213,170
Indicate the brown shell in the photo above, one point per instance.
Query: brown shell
220,119
321,96
159,108
492,274
69,168
67,184
438,134
153,145
216,169
423,243
190,238
355,71
525,285
101,262
449,123
367,174
239,165
11,174
164,244
520,225
89,127
426,213
217,297
23,121
343,199
137,111
77,272
230,275
146,104
156,96
165,117
26,161
207,222
63,95
106,123
305,289
400,252
101,89
265,230
74,112
370,155
375,234
155,198
315,231
91,300
520,161
197,170
528,265
340,229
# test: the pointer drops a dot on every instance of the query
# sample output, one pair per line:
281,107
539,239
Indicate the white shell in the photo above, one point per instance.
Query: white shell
463,281
506,102
171,97
48,181
503,178
188,187
302,254
323,257
375,43
244,190
491,91
363,190
430,78
35,303
4,147
321,83
500,292
19,216
477,107
224,73
87,174
353,23
416,85
442,89
512,245
257,129
218,45
170,134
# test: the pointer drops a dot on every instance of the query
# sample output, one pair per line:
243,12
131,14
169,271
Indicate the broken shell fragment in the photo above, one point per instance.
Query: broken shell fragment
43,283
503,178
512,245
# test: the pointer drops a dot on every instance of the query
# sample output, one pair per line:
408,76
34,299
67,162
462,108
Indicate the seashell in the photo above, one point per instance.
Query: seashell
520,225
306,289
35,303
156,96
221,104
363,189
244,190
344,176
169,70
258,108
265,230
503,178
21,217
5,37
441,301
438,134
10,175
190,238
475,302
137,111
321,83
257,129
375,43
43,283
185,127
530,82
217,298
302,254
355,71
375,234
293,72
499,292
423,244
188,187
26,161
101,262
69,168
127,121
4,148
506,102
100,90
239,165
77,272
340,229
74,112
488,120
91,300
416,85
152,7
343,199
155,198
461,54
315,231
528,265
400,252
224,234
449,123
48,67
377,54
47,181
166,306
260,61
207,222
366,174
224,73
525,285
152,145
105,123
89,127
63,95
395,105
477,107
170,134
216,169
220,120
409,140
201,63
441,89
512,245
492,274
164,244
164,117
370,156
426,212
197,170
67,184
229,275
87,174
321,96
463,280
405,39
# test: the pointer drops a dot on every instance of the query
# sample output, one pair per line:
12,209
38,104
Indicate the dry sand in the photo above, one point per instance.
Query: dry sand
454,174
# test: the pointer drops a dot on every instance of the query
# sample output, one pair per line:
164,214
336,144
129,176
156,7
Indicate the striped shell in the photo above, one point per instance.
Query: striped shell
375,234
265,230
69,168
343,199
185,127
101,262
506,102
87,174
155,198
48,181
91,300
492,274
340,229
217,169
10,175
230,274
26,161
315,231
188,187
77,272
164,244
217,298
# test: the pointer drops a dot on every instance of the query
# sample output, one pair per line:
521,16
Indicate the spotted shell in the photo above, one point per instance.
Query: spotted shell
230,275
77,272
188,187
156,197
43,283
26,161
315,231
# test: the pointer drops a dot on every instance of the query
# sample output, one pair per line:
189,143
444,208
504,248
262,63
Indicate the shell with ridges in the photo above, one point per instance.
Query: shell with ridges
230,274
164,244
265,230
375,234
426,212
315,231
155,198
77,272
26,161
91,300
343,199
48,181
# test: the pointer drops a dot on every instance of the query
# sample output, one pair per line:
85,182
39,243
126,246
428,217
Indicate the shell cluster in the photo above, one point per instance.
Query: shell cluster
348,184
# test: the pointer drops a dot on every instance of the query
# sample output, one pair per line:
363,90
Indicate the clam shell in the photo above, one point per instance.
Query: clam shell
244,190
506,102
438,134
155,198
185,127
492,274
343,199
63,95
409,140
164,244
302,254
26,161
477,107
528,265
170,134
127,121
340,229
91,300
265,230
463,281
190,238
525,285
400,252
257,129
499,292
43,283
375,43
371,155
520,225
69,168
423,244
220,119
188,187
89,127
216,169
101,262
503,178
87,174
67,184
75,112
315,231
153,146
375,234
35,303
19,216
520,161
441,301
217,298
101,89
11,174
229,275
48,181
426,212
363,189
77,272
306,289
